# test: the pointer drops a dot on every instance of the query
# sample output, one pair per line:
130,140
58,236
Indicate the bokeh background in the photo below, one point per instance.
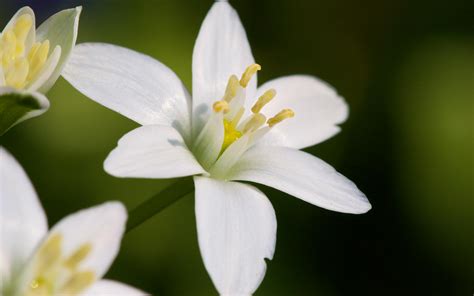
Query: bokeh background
406,69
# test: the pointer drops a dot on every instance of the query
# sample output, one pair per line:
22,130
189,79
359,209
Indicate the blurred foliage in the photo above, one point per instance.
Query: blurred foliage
405,68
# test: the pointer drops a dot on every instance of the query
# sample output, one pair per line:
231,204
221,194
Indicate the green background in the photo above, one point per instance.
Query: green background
406,68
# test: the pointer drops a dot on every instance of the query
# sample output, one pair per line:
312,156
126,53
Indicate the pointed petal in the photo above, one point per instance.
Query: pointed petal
152,151
101,227
221,49
17,106
132,84
302,175
236,227
109,288
61,30
318,111
22,219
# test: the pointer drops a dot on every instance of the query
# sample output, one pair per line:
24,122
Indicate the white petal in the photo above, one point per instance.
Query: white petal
47,70
30,39
112,288
221,49
318,111
301,175
22,219
102,227
130,83
152,151
208,144
17,106
61,30
236,227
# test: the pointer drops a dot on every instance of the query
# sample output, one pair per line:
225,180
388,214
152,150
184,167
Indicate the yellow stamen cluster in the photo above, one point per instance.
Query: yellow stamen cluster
54,274
19,64
232,129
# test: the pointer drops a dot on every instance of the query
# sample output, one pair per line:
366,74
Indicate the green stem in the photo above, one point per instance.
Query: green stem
159,202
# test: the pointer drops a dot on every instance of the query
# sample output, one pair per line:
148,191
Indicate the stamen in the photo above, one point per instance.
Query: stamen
37,57
263,100
221,106
16,77
254,123
232,87
282,115
78,256
50,252
78,283
249,72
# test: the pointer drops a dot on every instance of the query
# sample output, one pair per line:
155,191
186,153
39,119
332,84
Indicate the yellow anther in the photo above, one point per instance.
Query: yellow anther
78,256
50,252
249,72
231,134
282,115
232,87
254,123
263,100
77,283
221,106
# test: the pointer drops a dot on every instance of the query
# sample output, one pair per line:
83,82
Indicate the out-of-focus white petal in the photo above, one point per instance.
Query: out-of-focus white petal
221,49
112,288
152,151
301,175
61,30
30,38
130,83
101,227
22,220
17,106
236,227
318,111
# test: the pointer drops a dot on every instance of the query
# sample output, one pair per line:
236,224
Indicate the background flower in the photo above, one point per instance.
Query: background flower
70,258
31,60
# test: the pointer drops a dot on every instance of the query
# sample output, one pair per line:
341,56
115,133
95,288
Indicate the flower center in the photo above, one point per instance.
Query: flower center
20,65
232,106
54,274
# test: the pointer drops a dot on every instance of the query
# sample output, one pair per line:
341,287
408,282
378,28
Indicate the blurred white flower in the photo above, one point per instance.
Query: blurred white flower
31,61
69,259
223,135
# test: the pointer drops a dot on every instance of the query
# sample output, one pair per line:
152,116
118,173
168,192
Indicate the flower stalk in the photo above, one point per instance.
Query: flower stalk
159,202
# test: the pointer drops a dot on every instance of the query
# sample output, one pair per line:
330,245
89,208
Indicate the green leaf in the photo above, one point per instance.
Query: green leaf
16,107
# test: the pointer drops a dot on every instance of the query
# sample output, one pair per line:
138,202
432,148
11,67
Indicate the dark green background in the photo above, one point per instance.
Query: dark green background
406,69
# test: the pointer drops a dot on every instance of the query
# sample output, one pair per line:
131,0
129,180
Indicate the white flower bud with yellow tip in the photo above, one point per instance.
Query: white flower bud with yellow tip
70,258
31,60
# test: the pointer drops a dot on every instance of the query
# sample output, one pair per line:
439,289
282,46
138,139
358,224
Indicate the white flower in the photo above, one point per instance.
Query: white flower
69,259
221,136
31,61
